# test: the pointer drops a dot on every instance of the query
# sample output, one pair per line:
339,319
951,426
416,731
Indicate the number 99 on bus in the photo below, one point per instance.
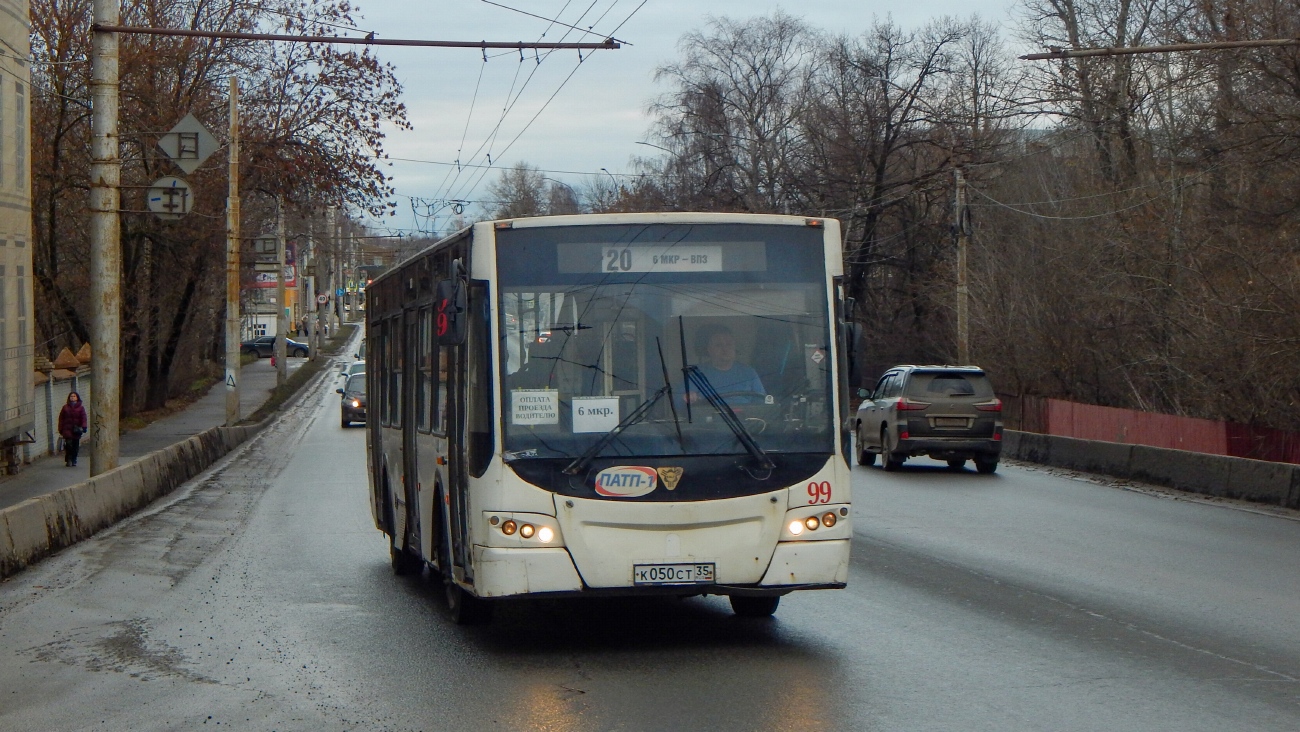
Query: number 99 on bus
819,492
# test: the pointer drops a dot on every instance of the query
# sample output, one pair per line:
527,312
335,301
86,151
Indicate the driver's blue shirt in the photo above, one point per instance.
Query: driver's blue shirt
738,378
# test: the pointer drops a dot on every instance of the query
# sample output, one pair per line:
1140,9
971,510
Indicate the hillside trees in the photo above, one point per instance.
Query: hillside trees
311,119
1135,217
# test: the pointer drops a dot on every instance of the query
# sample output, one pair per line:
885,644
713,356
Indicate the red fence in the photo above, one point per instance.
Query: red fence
1108,424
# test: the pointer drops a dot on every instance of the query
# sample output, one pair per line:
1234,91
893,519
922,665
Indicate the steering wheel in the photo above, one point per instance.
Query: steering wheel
759,397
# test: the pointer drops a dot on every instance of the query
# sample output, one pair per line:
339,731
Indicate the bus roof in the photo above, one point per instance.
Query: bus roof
608,219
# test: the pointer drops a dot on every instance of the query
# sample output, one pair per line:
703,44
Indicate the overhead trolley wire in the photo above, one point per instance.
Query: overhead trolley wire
557,22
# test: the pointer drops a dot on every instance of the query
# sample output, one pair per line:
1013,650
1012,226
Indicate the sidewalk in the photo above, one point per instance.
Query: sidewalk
48,474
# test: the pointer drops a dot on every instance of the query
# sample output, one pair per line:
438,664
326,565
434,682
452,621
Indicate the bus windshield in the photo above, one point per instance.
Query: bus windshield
595,320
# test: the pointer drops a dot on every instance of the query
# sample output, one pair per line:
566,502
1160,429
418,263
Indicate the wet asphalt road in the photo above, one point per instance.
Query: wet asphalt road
259,597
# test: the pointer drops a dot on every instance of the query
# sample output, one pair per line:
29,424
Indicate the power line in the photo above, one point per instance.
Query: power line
1065,218
629,17
368,40
509,167
1064,53
531,121
461,193
587,30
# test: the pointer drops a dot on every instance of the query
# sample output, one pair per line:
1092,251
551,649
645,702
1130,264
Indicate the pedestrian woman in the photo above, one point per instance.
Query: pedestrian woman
72,425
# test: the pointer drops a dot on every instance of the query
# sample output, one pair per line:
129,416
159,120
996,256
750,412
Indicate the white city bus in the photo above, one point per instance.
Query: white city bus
614,404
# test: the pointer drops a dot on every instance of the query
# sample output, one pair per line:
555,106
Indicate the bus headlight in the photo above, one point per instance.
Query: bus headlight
508,528
526,531
816,523
545,535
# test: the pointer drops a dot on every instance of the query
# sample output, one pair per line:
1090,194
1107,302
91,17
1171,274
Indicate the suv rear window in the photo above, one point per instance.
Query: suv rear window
948,384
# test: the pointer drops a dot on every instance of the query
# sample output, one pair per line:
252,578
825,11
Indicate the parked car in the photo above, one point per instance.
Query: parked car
352,408
356,367
264,347
947,412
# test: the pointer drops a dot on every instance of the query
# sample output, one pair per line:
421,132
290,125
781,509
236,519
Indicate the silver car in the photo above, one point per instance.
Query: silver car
947,412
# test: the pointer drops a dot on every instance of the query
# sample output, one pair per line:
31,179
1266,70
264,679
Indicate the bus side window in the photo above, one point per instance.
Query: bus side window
395,369
424,394
378,381
480,380
441,356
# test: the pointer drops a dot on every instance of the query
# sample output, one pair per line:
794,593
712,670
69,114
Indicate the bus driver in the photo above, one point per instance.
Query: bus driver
724,372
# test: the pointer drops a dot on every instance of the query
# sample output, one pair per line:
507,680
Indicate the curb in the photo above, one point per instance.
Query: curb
41,526
1223,476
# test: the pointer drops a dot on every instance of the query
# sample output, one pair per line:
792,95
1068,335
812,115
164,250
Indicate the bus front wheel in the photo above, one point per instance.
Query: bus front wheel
465,609
748,606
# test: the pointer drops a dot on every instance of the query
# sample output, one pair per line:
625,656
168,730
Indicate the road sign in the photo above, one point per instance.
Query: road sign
338,292
322,299
188,144
169,198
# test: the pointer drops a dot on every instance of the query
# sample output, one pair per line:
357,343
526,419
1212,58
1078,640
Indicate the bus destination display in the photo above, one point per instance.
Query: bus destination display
678,258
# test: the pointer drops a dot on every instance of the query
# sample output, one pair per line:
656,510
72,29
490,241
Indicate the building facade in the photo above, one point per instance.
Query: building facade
17,321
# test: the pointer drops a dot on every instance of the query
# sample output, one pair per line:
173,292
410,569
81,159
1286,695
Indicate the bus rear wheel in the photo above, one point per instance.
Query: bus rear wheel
748,606
403,562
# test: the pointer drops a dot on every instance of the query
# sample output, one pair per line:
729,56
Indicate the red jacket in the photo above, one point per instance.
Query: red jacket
72,415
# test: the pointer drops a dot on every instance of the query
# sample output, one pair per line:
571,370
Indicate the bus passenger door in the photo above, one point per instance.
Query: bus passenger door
470,433
410,466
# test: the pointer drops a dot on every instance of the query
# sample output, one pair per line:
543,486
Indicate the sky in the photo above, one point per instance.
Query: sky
572,120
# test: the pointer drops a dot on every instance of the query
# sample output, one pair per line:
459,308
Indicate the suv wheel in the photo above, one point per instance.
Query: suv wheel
866,457
889,460
986,465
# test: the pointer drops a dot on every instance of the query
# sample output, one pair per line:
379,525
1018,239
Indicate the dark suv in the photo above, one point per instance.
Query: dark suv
947,412
352,408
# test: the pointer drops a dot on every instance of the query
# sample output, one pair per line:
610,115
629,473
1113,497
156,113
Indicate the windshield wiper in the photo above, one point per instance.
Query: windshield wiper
729,417
677,422
581,462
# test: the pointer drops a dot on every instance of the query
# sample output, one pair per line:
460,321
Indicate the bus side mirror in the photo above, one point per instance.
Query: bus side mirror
851,341
449,312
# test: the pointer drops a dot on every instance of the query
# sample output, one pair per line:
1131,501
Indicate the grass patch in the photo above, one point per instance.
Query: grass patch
281,394
197,389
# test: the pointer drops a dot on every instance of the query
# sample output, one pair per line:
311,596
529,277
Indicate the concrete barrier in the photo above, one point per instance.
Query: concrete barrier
43,525
1214,475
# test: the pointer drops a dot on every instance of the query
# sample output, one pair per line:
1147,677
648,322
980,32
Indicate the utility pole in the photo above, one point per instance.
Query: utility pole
324,273
232,265
336,273
312,309
961,226
105,245
300,266
281,320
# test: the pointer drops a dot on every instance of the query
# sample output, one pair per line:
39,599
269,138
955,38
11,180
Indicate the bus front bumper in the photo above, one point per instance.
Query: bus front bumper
808,563
795,565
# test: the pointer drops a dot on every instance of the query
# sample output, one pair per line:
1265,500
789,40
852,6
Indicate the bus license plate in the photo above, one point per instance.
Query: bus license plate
672,574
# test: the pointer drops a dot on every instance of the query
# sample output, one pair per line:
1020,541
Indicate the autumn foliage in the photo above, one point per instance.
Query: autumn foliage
311,133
